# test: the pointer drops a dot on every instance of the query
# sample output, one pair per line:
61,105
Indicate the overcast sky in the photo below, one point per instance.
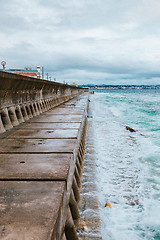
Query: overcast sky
85,41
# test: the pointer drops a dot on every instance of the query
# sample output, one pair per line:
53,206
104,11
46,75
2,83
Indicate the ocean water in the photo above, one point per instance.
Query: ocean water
128,164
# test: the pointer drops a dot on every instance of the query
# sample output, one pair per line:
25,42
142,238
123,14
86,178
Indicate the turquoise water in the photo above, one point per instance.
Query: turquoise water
128,164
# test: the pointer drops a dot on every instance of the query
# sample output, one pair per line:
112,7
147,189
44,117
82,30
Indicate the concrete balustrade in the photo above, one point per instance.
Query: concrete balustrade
6,119
19,114
22,98
24,112
13,116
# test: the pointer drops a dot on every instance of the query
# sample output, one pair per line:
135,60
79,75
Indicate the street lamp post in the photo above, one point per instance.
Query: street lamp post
3,63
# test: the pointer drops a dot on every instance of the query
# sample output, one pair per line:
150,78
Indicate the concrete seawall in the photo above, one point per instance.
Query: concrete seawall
22,98
42,140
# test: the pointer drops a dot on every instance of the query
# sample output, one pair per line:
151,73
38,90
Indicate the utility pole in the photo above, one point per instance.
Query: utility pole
39,72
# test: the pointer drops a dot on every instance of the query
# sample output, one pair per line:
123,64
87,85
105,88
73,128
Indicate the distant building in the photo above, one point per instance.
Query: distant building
28,71
74,84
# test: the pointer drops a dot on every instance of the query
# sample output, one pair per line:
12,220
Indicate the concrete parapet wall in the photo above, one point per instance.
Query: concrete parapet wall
22,98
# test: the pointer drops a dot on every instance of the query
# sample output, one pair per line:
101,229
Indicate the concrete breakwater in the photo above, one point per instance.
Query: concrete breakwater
42,140
89,207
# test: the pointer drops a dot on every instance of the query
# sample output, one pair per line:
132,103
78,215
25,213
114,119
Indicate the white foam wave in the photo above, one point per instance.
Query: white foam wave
126,163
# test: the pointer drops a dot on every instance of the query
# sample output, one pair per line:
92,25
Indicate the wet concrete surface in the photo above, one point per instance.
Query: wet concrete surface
29,210
37,145
66,111
51,126
90,226
57,118
35,166
44,134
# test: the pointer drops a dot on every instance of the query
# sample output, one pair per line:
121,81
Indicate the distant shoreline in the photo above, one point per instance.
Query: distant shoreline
104,87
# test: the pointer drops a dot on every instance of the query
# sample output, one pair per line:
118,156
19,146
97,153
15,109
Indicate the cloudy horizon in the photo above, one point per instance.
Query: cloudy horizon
100,42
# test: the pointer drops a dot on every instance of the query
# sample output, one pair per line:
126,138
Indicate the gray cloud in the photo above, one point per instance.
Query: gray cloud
85,41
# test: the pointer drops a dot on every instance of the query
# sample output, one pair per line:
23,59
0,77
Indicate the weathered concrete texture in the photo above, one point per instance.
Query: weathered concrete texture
15,89
22,98
37,145
40,174
74,104
90,226
57,118
30,210
43,134
51,126
35,166
68,111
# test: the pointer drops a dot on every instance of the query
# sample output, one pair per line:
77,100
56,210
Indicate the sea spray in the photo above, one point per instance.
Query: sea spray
128,163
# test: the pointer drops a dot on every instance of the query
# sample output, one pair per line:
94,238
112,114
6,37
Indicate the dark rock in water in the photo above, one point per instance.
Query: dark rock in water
130,129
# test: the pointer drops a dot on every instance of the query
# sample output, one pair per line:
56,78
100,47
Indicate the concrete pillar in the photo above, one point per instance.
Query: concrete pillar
29,113
12,116
70,230
19,114
5,119
39,106
42,106
36,108
81,149
73,206
80,159
78,179
76,190
2,129
45,104
48,104
79,168
82,146
24,112
32,109
51,102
